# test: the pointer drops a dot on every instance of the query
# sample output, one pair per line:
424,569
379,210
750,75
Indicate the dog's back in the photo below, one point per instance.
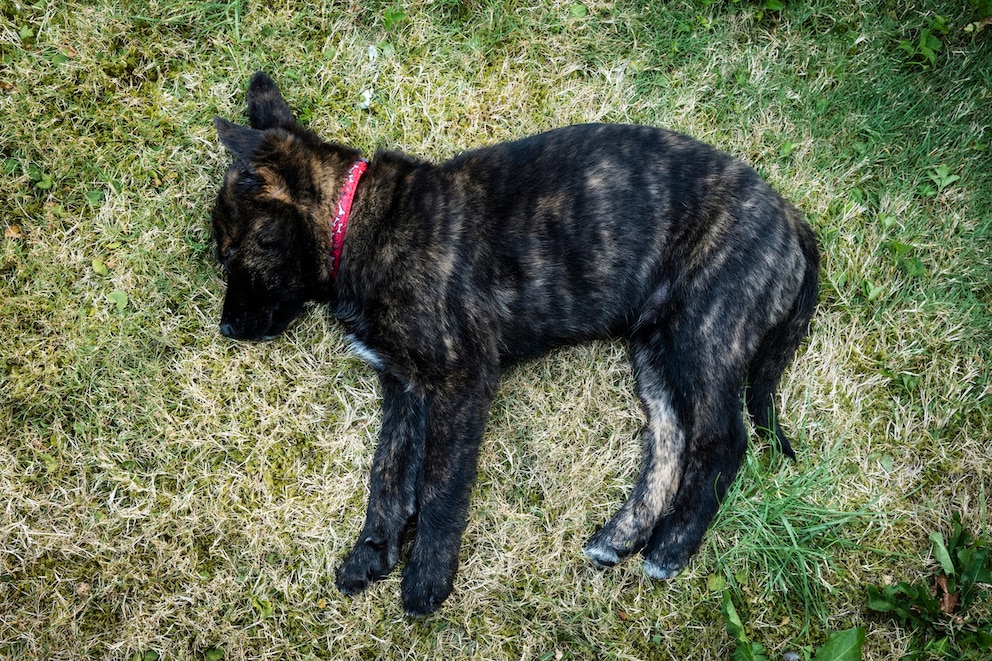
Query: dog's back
591,231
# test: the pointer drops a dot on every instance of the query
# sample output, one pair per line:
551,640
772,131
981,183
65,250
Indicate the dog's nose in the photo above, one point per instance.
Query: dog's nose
226,329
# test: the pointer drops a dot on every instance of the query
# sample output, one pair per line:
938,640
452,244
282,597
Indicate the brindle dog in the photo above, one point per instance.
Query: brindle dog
450,272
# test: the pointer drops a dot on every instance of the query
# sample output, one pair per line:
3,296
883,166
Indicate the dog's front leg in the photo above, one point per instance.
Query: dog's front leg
392,487
455,424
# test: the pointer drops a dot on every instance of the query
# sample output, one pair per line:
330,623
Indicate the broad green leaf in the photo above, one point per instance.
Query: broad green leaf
877,601
842,646
940,550
716,582
898,248
99,267
972,562
393,17
913,267
871,291
750,652
119,299
734,625
263,606
51,463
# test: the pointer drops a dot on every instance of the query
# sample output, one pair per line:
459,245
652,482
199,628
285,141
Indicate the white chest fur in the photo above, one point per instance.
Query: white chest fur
364,352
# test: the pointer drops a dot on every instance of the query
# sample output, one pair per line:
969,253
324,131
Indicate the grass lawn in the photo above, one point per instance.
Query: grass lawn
168,494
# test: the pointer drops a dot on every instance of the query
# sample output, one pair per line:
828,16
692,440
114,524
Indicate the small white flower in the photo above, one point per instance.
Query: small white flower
366,99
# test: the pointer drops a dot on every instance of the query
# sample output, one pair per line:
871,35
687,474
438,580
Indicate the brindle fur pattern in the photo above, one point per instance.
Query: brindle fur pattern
452,271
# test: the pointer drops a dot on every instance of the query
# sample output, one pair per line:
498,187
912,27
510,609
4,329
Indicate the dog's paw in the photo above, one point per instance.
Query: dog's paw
662,571
607,547
602,555
366,563
424,589
665,562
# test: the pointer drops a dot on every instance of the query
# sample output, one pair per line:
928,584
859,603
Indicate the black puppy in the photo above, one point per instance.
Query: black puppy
443,274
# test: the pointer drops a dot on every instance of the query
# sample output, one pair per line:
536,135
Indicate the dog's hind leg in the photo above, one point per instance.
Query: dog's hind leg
392,488
664,447
707,369
713,457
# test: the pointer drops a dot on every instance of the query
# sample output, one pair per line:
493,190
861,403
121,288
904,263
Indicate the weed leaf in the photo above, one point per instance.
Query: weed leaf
119,299
842,646
938,610
913,267
942,177
974,569
734,625
716,582
263,606
393,17
746,650
871,292
752,652
940,550
877,601
899,249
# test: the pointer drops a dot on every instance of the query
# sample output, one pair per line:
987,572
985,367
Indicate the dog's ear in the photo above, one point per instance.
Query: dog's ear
246,144
266,107
241,141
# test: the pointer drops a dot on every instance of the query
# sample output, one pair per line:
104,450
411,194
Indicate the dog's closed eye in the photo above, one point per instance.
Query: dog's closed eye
270,241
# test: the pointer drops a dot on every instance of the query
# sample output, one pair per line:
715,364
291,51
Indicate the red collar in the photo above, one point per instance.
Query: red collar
340,223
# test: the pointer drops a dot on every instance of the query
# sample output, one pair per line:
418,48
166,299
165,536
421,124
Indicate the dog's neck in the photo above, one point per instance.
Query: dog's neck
342,210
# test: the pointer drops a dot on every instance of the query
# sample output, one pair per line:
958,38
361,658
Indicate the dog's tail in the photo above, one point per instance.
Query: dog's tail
780,343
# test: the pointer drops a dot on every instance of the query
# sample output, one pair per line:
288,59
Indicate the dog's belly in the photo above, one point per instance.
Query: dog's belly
538,322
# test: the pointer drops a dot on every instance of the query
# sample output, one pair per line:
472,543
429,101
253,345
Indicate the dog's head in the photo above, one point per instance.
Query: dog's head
271,217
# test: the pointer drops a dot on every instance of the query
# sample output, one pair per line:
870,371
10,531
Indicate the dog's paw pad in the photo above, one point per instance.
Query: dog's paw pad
662,571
